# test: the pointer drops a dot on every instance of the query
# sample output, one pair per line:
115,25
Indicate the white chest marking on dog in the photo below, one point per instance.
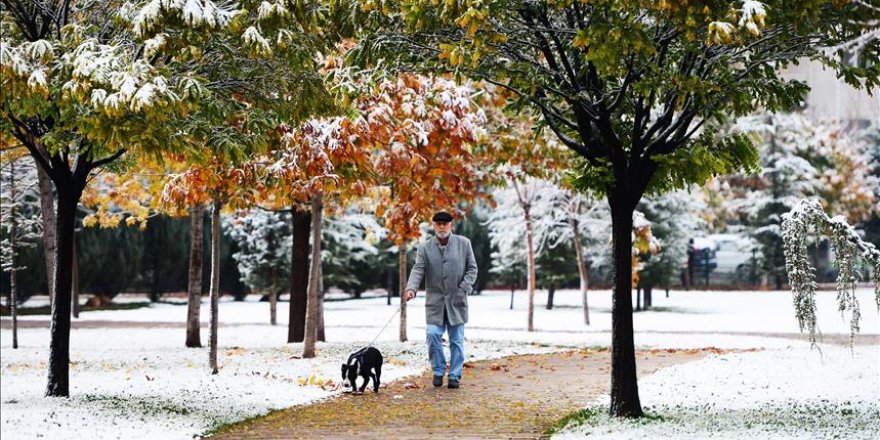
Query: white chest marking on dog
353,366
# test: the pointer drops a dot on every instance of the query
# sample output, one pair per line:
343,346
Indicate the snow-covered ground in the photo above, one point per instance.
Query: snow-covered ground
789,393
142,383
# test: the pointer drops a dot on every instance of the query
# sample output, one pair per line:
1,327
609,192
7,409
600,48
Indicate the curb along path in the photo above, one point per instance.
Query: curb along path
515,397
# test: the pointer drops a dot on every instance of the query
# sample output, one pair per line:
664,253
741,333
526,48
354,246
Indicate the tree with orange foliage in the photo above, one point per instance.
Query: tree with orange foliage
318,159
420,132
135,196
219,184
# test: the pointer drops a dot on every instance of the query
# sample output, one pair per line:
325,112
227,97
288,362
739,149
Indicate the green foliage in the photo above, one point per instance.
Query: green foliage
32,279
153,77
594,178
708,156
637,88
556,267
109,259
165,257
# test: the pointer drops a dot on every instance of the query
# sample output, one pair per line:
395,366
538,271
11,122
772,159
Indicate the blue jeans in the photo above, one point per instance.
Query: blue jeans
456,349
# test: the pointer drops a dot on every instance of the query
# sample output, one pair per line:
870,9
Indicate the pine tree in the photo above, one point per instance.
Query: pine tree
263,254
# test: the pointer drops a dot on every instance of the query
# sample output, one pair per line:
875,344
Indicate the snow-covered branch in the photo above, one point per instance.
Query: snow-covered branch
849,249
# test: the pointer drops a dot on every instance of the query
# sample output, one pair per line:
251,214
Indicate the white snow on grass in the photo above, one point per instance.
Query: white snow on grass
775,394
135,382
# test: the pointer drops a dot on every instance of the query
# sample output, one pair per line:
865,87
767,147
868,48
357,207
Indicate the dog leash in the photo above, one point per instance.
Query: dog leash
383,328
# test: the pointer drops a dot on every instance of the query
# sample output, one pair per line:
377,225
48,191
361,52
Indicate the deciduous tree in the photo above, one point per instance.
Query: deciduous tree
638,89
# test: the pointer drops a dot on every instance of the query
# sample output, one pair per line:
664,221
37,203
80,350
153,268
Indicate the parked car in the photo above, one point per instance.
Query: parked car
725,258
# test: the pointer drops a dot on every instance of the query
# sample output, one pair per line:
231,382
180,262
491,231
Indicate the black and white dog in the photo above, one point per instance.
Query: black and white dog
367,363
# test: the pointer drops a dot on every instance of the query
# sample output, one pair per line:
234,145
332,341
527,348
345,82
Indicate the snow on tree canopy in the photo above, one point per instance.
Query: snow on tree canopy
799,159
192,12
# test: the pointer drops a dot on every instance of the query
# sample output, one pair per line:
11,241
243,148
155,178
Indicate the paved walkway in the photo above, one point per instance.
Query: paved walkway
517,397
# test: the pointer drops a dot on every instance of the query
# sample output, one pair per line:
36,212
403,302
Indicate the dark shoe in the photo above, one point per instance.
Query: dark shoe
438,381
453,383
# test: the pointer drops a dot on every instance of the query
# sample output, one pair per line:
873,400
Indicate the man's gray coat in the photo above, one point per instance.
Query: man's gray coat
449,277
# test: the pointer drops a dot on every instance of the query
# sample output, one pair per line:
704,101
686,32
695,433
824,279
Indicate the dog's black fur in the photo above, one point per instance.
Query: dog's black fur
366,363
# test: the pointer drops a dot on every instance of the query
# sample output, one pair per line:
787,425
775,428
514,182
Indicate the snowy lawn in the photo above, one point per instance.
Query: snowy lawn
791,393
142,383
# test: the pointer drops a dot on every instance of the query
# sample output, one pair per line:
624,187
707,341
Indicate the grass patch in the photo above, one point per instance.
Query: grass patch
142,406
47,310
225,426
573,420
595,416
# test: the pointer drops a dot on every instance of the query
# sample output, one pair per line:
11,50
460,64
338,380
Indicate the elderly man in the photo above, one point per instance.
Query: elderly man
446,263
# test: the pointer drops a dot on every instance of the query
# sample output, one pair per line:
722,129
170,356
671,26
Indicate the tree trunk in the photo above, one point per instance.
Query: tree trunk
70,189
648,299
273,299
688,275
322,336
13,282
215,281
47,212
75,279
638,298
550,292
314,273
624,385
401,270
194,286
582,269
512,289
299,269
531,262
13,290
390,289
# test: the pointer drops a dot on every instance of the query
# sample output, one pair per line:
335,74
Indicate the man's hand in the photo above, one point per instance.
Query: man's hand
409,294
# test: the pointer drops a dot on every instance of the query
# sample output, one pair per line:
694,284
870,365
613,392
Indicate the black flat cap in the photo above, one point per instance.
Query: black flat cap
442,217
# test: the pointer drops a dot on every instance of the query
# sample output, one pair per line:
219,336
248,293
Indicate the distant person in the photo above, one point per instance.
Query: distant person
446,263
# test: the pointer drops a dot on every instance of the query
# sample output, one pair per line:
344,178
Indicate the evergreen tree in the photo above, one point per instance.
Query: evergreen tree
351,250
799,159
674,221
165,256
556,269
263,249
871,140
109,258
